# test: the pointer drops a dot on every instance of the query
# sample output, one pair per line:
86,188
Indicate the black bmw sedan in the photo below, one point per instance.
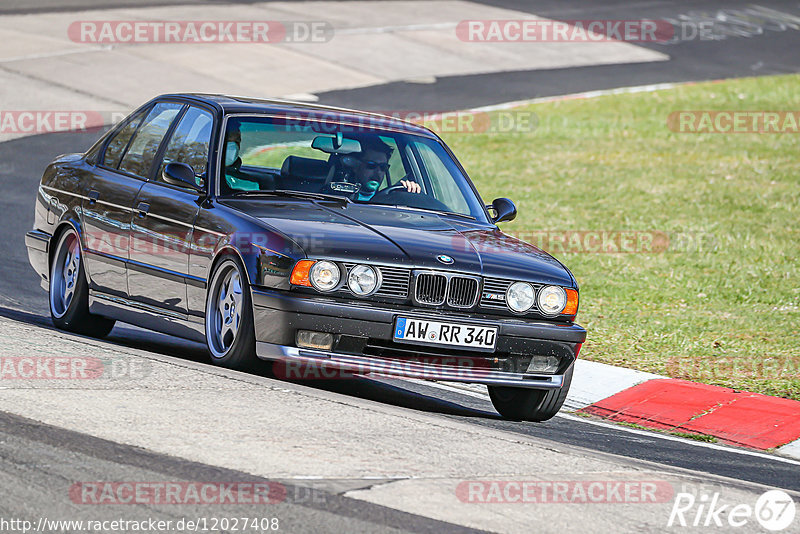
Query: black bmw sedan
314,237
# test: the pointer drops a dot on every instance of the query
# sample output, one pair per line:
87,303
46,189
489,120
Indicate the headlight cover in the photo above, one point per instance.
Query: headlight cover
363,280
552,300
520,297
325,275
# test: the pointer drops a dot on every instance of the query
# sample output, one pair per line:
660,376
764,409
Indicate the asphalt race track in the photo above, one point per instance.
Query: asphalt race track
35,455
749,51
690,60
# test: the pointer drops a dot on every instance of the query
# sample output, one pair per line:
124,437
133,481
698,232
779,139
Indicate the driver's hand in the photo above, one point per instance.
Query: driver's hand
411,187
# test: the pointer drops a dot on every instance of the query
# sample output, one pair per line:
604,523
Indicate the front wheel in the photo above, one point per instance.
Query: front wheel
522,404
230,335
69,290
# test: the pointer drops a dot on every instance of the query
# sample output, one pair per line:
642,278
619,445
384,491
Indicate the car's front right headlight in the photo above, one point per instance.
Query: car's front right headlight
325,275
363,280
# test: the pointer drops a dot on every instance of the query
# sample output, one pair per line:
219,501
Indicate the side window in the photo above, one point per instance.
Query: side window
190,143
142,150
120,141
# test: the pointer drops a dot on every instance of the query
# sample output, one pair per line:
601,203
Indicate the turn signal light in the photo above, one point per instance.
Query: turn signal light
572,302
300,273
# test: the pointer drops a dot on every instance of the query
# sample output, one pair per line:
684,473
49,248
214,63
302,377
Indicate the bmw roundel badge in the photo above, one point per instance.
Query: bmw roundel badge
444,258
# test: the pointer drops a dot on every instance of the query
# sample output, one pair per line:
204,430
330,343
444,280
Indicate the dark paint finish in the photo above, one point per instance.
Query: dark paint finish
161,237
399,236
107,204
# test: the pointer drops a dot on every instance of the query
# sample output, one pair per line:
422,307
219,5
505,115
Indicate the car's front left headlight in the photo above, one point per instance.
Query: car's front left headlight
363,280
325,275
552,300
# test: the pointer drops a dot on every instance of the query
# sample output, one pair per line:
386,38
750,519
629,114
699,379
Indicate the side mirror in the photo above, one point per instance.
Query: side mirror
182,175
504,210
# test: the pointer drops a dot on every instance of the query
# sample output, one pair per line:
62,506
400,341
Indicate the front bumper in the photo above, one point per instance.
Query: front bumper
363,333
302,363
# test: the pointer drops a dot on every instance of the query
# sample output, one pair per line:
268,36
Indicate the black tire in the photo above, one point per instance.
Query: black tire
230,335
69,290
521,404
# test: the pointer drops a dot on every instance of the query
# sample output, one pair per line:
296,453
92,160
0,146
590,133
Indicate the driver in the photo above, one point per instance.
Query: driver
372,166
235,179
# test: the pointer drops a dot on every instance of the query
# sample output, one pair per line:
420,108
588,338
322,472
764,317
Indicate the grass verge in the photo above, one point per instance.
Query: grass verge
717,302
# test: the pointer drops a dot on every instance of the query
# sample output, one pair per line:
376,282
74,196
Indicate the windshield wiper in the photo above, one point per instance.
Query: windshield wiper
294,194
428,210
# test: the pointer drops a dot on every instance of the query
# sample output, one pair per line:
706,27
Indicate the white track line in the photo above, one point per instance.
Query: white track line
44,55
392,29
571,96
647,433
587,94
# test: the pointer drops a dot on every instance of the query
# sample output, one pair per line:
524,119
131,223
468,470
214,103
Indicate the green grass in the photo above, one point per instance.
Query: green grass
672,432
697,437
722,304
686,435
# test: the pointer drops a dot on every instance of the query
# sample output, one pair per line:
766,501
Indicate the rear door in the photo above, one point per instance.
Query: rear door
107,209
162,225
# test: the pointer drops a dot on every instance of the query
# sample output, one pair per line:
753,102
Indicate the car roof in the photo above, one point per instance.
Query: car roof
229,104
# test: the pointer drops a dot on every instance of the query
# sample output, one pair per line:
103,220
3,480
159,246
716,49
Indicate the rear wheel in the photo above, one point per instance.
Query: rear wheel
521,404
69,290
230,335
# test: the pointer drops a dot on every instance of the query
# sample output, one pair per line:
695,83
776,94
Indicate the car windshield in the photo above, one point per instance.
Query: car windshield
366,165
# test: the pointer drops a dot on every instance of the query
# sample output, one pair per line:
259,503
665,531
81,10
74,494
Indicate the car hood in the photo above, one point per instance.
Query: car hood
388,235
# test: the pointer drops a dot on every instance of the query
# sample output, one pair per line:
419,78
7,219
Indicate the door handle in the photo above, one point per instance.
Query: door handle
93,196
143,208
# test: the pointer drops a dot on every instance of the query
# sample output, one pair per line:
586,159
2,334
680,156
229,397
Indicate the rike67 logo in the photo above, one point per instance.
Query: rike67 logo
774,510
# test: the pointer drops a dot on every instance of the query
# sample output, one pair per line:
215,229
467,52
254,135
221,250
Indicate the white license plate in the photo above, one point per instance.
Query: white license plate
436,333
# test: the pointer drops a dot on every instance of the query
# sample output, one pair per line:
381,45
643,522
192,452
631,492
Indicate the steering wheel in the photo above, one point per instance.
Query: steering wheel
391,189
399,195
383,194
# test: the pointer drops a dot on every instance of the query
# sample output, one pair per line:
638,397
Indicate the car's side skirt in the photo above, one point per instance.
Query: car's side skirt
146,316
